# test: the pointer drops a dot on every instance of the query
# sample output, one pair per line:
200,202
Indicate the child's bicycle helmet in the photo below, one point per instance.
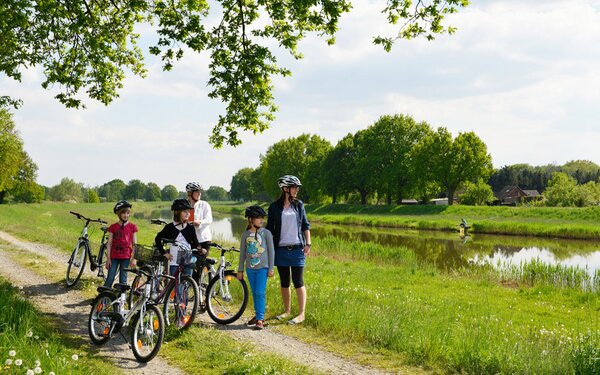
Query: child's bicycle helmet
120,205
255,211
181,204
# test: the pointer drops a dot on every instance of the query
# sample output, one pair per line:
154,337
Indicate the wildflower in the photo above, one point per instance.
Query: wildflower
18,362
37,370
38,363
75,357
29,371
51,373
8,362
29,334
12,353
36,337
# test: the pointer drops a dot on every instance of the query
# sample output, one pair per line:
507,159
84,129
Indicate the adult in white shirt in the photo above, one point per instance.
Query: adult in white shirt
200,217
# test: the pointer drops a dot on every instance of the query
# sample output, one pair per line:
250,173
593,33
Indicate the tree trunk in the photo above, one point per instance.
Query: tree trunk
2,194
389,198
400,196
334,199
363,196
451,196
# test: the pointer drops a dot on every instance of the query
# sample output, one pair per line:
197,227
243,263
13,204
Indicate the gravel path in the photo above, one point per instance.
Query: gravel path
67,305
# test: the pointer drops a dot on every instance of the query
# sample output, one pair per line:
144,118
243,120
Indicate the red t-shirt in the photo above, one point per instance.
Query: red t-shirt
122,241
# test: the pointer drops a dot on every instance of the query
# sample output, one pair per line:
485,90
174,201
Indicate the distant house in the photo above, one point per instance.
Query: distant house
511,195
410,201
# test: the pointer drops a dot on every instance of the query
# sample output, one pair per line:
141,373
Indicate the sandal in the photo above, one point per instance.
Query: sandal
282,316
259,325
295,321
251,322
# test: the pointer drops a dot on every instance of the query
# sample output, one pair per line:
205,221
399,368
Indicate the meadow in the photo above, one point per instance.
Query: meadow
381,305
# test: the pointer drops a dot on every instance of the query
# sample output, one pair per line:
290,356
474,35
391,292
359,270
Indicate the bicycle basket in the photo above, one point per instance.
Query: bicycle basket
146,254
185,257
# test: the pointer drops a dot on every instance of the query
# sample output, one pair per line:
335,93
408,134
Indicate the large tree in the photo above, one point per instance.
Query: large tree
17,171
241,185
451,162
299,156
88,45
112,190
388,160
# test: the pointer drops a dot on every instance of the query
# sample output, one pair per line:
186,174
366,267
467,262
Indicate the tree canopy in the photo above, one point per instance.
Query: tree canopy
85,47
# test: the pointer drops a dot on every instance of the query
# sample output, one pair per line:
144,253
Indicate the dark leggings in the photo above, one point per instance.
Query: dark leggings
297,276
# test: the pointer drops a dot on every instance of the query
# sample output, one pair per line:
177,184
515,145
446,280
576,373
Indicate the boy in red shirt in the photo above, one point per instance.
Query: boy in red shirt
121,244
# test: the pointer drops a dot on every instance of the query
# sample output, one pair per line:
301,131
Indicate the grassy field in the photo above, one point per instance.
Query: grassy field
27,341
559,222
380,304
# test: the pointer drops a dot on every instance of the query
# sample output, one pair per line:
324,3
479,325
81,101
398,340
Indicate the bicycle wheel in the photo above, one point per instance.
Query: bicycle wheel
180,308
147,333
100,320
137,286
204,280
227,300
76,264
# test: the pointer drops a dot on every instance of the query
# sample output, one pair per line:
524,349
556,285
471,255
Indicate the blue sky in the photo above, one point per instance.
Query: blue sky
523,75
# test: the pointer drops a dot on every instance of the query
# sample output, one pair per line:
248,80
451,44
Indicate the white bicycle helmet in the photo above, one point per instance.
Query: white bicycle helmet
193,186
288,180
120,205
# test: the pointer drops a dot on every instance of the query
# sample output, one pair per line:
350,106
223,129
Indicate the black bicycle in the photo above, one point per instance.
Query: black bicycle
83,251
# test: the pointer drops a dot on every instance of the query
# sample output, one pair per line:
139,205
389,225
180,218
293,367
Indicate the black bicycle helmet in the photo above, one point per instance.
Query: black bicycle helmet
255,211
193,186
120,205
288,180
181,204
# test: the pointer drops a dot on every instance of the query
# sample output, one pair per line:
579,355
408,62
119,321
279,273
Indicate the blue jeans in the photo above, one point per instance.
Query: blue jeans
122,264
258,284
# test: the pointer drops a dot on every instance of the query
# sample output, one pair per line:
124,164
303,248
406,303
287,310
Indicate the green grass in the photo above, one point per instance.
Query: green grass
33,338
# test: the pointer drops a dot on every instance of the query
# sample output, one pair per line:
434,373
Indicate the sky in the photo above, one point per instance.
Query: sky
523,75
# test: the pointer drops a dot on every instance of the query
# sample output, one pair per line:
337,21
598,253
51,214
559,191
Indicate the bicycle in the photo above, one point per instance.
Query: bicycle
179,295
108,316
226,295
82,251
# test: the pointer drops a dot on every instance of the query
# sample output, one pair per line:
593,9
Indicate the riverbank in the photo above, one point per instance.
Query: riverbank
555,222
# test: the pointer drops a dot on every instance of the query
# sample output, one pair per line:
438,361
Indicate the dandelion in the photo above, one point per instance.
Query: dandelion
38,363
29,371
12,353
75,357
37,370
18,362
29,334
51,373
36,337
8,362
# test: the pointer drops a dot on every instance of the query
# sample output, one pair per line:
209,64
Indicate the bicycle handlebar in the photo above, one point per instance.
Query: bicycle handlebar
158,222
80,216
212,244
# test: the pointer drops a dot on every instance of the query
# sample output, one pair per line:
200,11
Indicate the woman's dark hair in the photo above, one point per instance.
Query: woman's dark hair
281,200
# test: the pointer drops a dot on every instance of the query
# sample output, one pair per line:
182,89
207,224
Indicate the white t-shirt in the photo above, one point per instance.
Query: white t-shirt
174,250
203,213
289,228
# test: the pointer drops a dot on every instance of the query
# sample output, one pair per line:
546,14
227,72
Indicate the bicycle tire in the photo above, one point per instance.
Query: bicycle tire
203,282
98,329
137,285
181,312
227,308
76,264
147,331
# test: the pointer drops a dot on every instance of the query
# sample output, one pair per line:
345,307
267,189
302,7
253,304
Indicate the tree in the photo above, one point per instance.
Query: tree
217,193
152,193
582,170
88,45
477,194
241,185
388,160
169,193
18,172
295,156
93,196
135,189
451,162
561,190
67,190
112,190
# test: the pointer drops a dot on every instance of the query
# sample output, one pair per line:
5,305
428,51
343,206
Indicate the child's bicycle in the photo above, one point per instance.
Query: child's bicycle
226,296
108,316
179,294
82,251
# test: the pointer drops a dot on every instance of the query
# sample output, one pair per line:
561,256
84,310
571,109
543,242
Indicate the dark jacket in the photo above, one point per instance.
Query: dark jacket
274,220
170,232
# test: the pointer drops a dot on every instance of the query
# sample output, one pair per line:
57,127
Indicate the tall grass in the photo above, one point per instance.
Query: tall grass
26,338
